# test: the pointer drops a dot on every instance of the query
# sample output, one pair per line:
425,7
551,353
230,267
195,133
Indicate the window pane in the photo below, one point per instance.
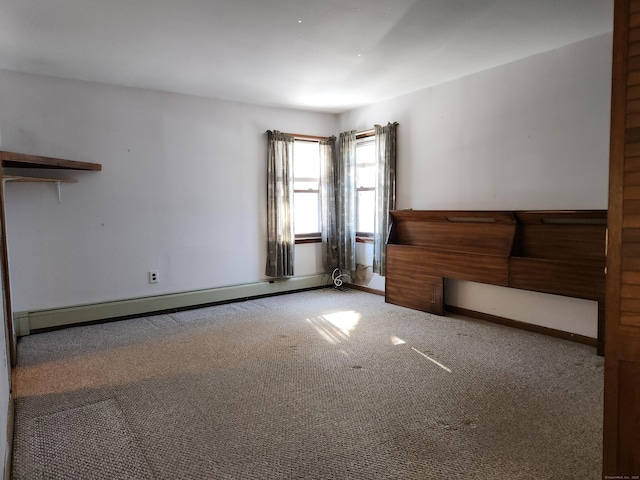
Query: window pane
306,160
305,213
306,174
365,179
365,164
366,176
366,207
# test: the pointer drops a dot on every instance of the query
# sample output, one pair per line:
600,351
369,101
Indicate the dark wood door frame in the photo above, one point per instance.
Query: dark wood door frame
621,441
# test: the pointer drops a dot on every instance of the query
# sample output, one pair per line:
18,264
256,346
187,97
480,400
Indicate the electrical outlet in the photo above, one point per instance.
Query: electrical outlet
153,276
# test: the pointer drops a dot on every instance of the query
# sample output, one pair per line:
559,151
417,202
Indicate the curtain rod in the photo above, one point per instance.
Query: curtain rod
301,135
363,133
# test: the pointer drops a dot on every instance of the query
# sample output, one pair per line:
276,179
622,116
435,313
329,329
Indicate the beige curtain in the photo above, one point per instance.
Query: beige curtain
328,221
346,201
280,234
385,145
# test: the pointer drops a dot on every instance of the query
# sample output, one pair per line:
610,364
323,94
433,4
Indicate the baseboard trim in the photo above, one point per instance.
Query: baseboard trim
365,289
33,321
574,337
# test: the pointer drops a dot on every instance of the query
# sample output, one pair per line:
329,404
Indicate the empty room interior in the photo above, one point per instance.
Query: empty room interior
160,324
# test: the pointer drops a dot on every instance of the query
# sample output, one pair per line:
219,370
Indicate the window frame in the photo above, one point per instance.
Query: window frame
316,237
308,237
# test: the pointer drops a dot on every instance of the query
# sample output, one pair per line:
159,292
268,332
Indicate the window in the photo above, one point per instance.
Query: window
365,185
306,188
306,193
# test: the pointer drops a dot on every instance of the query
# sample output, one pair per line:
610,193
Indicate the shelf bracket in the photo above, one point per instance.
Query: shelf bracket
57,181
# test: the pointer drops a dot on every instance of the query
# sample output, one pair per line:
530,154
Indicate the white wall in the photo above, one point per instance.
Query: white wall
182,190
533,134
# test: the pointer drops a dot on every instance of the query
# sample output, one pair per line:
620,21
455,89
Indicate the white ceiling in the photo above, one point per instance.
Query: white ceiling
329,55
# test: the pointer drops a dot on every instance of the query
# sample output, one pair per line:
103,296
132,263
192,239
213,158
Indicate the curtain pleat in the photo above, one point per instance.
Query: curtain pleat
328,221
280,233
346,201
385,148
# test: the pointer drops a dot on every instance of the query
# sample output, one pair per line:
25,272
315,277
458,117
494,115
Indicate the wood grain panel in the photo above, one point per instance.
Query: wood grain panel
632,207
461,266
21,160
576,243
631,278
633,148
631,193
561,217
465,238
630,221
634,66
621,440
633,135
423,296
629,291
634,77
634,91
496,216
634,49
634,35
631,235
558,278
408,285
628,346
470,267
631,249
486,233
630,319
633,119
629,263
630,304
629,433
632,179
632,163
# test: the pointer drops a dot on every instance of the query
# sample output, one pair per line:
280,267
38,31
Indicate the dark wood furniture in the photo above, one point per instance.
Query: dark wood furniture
22,160
621,453
557,252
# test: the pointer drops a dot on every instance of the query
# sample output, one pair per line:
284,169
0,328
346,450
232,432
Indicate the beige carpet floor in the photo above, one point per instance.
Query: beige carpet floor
314,385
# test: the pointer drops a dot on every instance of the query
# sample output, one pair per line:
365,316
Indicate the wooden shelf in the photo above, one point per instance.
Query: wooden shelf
22,160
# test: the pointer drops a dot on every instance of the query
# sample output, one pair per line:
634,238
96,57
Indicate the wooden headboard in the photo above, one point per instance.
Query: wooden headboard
557,252
455,231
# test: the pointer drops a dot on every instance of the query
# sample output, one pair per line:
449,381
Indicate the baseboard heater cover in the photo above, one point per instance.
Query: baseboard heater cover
30,321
